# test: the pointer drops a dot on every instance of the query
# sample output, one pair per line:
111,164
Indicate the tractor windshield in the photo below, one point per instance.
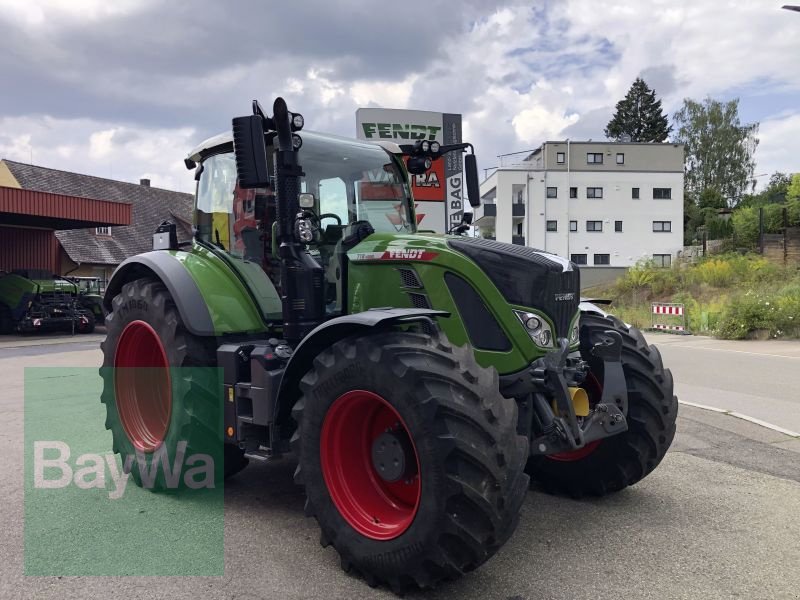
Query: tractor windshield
353,180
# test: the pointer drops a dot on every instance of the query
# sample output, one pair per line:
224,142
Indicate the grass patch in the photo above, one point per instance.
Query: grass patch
731,296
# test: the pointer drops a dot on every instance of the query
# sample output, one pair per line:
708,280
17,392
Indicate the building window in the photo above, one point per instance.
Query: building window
594,158
573,226
602,259
618,226
573,192
662,260
578,259
518,197
561,158
596,225
635,193
552,226
665,226
102,230
620,158
552,192
662,193
519,228
594,192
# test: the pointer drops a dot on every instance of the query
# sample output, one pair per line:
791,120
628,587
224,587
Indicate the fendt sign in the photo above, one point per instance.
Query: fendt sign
399,131
439,192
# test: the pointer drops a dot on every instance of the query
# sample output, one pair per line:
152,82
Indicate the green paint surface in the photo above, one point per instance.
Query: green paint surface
376,283
233,308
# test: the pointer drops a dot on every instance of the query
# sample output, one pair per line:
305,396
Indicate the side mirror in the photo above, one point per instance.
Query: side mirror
473,185
251,152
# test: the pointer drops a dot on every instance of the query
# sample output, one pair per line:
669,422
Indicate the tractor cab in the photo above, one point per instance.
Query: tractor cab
346,183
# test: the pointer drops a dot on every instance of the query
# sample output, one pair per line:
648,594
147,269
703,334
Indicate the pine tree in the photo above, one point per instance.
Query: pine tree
638,117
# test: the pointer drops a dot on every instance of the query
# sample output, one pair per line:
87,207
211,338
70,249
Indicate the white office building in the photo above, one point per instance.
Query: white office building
597,203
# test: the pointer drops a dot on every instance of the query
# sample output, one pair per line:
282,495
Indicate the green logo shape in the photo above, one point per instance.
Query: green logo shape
84,515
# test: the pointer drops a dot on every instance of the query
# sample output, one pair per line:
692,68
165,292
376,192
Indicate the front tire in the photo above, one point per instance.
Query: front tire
157,388
459,495
614,463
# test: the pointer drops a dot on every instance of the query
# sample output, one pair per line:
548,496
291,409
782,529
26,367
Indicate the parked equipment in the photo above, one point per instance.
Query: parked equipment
33,300
419,379
90,295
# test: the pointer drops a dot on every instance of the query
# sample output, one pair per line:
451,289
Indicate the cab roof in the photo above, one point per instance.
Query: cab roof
223,142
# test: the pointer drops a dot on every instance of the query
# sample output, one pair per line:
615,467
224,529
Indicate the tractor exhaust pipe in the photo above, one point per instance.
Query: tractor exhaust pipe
301,276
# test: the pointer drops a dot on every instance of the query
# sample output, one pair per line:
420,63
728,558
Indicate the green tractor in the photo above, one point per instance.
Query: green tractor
35,300
420,380
90,295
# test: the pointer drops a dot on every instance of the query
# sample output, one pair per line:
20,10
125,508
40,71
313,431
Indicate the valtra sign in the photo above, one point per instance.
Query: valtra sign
439,192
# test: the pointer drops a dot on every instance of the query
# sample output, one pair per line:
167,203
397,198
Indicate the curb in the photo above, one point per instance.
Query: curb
743,417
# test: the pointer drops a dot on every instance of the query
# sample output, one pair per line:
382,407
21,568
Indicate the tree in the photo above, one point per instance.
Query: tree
711,198
775,192
638,117
718,148
793,189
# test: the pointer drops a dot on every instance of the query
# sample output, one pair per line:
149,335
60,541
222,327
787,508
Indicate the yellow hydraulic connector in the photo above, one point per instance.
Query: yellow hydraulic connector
580,402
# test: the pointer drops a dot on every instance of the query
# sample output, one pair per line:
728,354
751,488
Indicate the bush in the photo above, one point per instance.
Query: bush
778,313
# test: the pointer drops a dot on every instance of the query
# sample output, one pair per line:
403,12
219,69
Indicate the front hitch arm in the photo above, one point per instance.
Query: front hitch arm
564,432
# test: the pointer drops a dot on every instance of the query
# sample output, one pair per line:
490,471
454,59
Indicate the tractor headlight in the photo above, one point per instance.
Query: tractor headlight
304,231
574,330
425,146
537,328
573,335
297,122
297,142
435,147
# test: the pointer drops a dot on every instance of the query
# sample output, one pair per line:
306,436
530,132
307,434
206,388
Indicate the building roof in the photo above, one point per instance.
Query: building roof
150,206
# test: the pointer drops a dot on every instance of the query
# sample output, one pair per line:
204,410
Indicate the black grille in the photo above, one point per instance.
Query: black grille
528,277
419,300
409,278
482,328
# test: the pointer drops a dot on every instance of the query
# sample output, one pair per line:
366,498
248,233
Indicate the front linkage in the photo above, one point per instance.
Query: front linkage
556,428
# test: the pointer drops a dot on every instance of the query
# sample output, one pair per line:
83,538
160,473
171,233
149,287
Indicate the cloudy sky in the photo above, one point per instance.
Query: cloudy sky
124,89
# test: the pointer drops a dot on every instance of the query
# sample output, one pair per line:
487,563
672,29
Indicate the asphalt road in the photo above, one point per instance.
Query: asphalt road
760,379
718,518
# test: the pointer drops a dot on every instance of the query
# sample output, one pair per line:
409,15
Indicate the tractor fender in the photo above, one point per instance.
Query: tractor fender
588,306
330,332
183,289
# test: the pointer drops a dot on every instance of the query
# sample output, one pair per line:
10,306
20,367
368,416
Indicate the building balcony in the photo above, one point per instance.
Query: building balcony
517,210
484,215
519,240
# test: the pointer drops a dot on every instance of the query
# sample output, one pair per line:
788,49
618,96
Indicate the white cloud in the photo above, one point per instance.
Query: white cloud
97,148
537,123
38,13
779,145
101,143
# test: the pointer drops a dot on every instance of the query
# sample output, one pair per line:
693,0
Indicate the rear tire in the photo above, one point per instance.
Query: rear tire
469,480
624,459
89,326
187,406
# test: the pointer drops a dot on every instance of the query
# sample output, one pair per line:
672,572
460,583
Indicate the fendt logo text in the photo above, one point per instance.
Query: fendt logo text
403,131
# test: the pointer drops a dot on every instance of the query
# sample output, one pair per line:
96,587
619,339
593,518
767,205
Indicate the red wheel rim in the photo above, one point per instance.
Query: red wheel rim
375,508
595,391
142,386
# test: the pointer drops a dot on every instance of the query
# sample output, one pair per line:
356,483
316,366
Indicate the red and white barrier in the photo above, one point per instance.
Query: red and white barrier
668,309
668,316
669,327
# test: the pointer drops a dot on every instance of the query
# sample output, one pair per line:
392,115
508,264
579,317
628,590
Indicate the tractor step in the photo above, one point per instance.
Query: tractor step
262,454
